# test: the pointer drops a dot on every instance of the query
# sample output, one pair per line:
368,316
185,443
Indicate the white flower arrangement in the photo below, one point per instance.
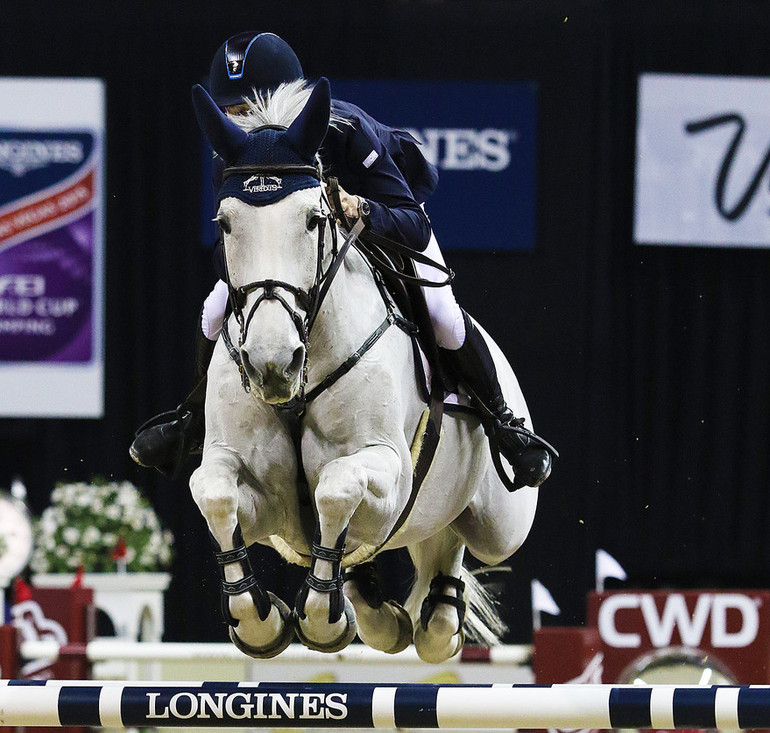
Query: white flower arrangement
99,526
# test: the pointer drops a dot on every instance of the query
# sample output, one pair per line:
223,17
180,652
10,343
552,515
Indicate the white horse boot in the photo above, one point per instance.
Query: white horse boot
529,455
166,440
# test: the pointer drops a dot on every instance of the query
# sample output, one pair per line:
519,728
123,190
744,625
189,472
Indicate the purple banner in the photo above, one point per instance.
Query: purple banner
46,247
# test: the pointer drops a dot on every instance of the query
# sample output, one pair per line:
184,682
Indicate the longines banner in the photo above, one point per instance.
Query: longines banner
51,247
702,159
482,137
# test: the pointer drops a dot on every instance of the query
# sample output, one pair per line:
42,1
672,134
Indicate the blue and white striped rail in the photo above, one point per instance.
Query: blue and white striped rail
285,705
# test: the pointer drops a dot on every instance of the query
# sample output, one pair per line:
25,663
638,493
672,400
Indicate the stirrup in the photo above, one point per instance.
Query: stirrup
493,427
517,482
516,425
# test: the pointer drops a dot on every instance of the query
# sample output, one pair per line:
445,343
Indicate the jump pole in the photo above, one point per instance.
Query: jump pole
56,703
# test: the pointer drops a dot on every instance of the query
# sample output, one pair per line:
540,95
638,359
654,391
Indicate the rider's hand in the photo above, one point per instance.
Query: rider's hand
351,204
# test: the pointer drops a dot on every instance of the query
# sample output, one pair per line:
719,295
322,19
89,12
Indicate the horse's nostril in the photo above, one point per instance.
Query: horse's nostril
297,362
254,374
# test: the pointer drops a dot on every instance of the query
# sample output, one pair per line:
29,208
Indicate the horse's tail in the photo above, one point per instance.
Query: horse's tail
483,624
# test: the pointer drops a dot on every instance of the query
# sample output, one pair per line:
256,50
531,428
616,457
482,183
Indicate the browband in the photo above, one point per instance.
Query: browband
269,170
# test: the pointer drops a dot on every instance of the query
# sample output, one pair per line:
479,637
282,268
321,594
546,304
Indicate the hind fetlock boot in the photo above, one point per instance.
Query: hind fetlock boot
166,440
529,455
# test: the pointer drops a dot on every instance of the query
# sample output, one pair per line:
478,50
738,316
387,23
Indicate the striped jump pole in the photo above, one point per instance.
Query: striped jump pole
361,705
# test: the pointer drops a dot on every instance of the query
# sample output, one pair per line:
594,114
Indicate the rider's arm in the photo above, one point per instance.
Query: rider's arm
394,212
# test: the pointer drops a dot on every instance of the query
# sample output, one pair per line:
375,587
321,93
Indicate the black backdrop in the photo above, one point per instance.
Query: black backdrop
648,367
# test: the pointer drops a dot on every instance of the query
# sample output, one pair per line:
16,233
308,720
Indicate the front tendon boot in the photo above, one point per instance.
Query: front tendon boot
166,440
530,456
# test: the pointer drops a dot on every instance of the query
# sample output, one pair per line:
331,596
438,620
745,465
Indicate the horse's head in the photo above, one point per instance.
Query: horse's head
269,214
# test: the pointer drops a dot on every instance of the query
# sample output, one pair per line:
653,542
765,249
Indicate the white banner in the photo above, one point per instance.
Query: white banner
702,160
51,247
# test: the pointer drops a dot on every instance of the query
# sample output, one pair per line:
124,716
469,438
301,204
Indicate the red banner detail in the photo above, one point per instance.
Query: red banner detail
63,202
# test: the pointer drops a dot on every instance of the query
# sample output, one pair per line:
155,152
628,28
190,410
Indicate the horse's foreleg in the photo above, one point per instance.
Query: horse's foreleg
261,619
325,618
436,602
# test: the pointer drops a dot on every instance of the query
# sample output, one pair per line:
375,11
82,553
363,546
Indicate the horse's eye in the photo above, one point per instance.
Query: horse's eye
224,224
313,217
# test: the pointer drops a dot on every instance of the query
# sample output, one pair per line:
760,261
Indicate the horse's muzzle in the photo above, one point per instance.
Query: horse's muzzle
273,382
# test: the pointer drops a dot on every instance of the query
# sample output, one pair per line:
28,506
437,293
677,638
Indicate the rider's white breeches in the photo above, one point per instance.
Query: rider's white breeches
445,313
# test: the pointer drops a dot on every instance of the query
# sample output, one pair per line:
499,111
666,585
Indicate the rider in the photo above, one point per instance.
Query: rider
392,180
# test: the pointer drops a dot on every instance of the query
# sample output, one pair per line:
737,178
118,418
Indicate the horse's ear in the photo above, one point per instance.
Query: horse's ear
308,130
223,134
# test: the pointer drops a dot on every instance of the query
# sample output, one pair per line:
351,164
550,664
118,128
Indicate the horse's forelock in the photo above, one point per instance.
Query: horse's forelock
279,107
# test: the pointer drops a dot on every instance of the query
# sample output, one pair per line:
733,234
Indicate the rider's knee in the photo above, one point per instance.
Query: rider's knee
213,313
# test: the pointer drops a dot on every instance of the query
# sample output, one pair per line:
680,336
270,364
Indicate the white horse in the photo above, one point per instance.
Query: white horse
346,465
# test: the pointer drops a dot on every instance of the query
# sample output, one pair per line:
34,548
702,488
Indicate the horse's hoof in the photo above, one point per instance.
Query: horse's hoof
405,629
283,640
340,642
427,651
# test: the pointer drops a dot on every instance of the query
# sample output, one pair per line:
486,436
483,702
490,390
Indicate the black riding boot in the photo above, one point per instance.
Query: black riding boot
530,457
165,441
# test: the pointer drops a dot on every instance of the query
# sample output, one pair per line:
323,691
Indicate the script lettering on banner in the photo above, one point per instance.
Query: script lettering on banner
703,161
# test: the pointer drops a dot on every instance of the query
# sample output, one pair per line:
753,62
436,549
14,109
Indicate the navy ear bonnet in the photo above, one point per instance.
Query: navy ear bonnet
251,60
266,147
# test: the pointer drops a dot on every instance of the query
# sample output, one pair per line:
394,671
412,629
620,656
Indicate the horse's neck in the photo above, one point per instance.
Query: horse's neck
351,311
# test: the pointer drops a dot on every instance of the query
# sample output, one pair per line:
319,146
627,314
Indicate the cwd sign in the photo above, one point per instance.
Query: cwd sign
707,620
733,626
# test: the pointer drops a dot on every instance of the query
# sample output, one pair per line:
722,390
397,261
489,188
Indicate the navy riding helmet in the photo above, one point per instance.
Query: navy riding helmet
249,60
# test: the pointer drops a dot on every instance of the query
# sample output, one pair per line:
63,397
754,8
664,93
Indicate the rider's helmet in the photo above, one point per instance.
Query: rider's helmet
250,60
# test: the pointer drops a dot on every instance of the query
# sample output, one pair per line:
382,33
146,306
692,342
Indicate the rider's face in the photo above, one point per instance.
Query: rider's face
237,109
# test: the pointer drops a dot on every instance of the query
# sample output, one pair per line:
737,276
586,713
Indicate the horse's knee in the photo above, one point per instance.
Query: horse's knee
341,489
217,502
216,495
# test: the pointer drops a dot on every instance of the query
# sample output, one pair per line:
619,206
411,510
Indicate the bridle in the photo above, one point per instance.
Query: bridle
310,300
